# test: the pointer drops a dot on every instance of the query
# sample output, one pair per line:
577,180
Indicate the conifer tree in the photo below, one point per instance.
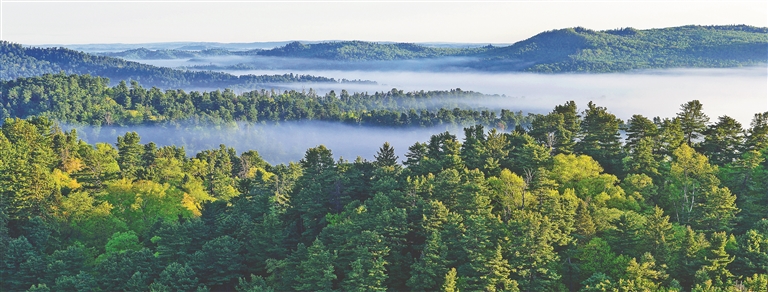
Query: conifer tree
130,152
693,121
386,157
316,273
428,271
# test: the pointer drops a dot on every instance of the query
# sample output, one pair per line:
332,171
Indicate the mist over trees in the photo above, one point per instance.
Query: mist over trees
82,99
562,204
19,61
564,50
575,199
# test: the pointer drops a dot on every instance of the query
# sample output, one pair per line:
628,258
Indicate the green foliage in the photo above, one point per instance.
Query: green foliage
519,219
83,99
33,61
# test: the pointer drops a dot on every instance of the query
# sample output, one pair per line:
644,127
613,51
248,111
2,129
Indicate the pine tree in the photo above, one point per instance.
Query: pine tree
693,121
658,234
640,128
386,157
600,139
723,141
428,271
130,152
642,276
757,135
715,273
584,226
178,277
316,273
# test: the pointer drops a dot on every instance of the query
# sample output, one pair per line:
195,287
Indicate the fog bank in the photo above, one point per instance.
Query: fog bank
736,92
281,143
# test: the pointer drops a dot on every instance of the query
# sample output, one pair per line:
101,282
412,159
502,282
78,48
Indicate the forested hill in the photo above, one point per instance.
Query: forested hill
367,51
574,50
146,54
18,61
584,50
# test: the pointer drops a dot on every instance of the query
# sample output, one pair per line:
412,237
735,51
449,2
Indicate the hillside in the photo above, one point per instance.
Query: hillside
146,54
572,50
366,51
18,61
584,50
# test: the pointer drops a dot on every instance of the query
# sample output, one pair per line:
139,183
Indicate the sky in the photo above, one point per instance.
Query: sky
36,22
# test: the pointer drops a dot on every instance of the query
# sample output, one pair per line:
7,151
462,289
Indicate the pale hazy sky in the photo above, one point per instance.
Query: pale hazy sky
142,21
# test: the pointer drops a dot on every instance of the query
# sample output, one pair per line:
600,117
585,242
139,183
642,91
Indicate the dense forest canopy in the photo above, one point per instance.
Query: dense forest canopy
563,203
19,61
83,99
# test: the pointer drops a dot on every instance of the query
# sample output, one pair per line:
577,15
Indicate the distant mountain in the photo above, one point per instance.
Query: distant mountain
18,61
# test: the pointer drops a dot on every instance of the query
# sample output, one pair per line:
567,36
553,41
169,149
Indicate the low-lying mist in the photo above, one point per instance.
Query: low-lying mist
452,64
736,92
277,143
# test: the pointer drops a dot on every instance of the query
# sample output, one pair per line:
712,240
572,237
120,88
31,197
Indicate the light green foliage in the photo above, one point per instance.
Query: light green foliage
140,203
508,192
758,282
450,281
26,184
495,213
642,276
122,242
715,273
584,175
696,197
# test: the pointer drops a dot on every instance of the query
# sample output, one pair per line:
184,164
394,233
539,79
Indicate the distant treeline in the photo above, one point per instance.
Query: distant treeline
83,99
166,54
564,50
18,61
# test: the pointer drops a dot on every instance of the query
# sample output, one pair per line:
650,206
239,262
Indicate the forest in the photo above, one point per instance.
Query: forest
572,200
564,50
557,51
83,99
19,61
